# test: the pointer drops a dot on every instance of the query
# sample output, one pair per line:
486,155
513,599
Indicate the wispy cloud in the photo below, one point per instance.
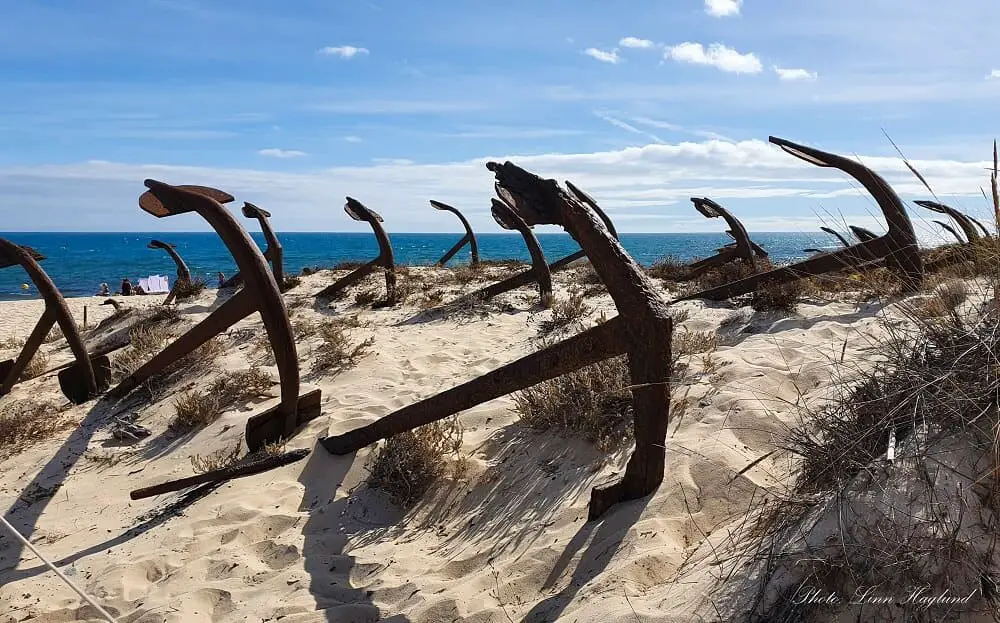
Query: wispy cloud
618,123
673,127
274,152
343,51
993,75
723,8
794,74
353,139
625,181
610,56
634,42
716,55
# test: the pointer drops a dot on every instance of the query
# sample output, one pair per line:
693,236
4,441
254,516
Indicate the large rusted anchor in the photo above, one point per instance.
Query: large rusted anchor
93,374
508,218
468,239
183,274
642,330
832,232
526,277
273,253
260,293
964,220
897,247
744,249
357,211
950,229
862,234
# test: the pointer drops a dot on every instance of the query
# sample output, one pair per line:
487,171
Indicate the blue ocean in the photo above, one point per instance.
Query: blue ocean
79,262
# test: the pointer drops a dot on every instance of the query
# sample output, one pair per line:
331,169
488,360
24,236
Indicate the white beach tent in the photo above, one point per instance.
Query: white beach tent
154,284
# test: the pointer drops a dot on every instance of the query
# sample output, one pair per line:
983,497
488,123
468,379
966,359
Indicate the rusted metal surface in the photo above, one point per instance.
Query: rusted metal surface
260,293
274,252
87,380
837,234
950,229
183,274
963,220
357,211
744,248
468,239
506,217
241,470
862,234
643,331
526,277
897,247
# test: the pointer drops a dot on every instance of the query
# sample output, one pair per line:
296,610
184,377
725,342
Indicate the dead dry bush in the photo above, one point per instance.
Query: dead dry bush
25,422
337,351
291,282
406,465
669,268
348,265
466,274
236,386
194,409
897,482
566,312
189,288
197,408
220,459
145,340
366,296
38,364
11,343
593,402
781,297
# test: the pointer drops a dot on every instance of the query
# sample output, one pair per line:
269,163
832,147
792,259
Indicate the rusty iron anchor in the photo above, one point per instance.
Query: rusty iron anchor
897,247
964,221
183,273
260,294
90,374
508,218
359,212
642,330
744,249
468,239
525,277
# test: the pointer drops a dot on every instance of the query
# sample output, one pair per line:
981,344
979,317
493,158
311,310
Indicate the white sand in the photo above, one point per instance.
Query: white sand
508,542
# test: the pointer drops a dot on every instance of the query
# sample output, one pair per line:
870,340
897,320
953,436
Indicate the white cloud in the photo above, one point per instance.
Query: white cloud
605,57
353,139
343,51
716,55
633,42
993,74
274,152
794,74
723,8
626,181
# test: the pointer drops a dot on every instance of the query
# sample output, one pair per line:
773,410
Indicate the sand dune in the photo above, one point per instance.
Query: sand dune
508,541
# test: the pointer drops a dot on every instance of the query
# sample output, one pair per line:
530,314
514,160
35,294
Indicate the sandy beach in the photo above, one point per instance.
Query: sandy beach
504,539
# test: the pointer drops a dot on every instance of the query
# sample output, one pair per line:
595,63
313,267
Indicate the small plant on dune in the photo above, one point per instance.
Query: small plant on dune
220,459
348,265
406,465
406,286
946,300
776,297
144,341
365,297
194,409
729,272
466,274
160,314
669,268
189,288
430,299
337,352
55,334
235,386
304,328
11,343
38,364
565,312
290,283
593,402
24,422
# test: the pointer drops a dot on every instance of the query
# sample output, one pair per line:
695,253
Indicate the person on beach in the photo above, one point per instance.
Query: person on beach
222,279
137,289
126,287
104,290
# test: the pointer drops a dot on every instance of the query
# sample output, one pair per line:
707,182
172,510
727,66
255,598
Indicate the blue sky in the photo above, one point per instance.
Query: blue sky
295,105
